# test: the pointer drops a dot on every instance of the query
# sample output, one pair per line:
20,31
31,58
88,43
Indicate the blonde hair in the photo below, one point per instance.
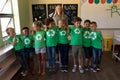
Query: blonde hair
56,13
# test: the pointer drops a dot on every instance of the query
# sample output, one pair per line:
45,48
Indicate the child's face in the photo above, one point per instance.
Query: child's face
86,25
11,32
25,32
51,25
77,23
93,27
35,28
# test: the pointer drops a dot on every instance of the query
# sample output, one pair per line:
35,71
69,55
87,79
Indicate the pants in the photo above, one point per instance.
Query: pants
64,49
51,56
97,55
20,55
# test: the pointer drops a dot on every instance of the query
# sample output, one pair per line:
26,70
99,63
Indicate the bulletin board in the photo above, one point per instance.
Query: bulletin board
71,10
51,9
39,12
107,15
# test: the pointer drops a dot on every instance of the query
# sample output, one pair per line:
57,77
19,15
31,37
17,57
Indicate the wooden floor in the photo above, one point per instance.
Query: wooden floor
110,71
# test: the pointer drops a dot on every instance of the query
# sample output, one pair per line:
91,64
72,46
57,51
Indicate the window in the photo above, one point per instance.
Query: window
6,16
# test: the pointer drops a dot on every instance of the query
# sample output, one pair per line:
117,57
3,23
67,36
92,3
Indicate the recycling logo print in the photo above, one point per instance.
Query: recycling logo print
51,33
87,34
38,37
77,31
63,33
93,35
27,41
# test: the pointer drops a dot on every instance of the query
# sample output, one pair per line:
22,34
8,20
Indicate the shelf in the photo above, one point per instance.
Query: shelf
11,71
7,62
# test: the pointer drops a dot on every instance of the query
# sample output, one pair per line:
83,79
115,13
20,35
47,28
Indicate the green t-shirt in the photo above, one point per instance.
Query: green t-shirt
63,36
39,39
19,44
76,35
28,41
96,38
51,37
86,37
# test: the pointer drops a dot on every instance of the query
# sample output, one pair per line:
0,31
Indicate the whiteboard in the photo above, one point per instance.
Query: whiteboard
101,13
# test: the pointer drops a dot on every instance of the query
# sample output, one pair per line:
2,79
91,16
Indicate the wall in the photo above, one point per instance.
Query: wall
52,2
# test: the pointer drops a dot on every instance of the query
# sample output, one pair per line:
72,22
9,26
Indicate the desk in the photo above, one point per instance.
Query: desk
115,54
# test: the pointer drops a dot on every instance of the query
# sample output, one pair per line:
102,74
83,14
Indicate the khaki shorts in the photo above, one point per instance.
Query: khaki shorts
77,50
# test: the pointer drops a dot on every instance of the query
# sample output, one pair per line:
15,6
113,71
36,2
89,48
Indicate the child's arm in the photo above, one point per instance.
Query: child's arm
14,41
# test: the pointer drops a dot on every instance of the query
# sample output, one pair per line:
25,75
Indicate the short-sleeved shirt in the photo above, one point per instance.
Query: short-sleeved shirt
19,44
76,35
86,37
63,36
51,37
96,38
39,39
28,41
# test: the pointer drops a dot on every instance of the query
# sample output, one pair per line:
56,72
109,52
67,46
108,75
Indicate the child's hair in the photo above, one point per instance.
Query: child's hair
65,24
25,28
93,22
38,23
77,19
87,20
48,21
7,30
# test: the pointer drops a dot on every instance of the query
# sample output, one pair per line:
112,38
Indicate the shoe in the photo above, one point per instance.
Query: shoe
74,69
94,70
98,69
90,68
65,71
81,70
86,68
62,70
24,74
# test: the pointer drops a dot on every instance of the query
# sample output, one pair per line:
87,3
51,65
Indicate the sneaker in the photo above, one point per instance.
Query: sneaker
74,69
65,71
81,70
86,68
62,70
24,74
94,70
98,69
90,68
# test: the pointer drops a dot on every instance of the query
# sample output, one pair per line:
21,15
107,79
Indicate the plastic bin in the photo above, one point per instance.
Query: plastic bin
107,43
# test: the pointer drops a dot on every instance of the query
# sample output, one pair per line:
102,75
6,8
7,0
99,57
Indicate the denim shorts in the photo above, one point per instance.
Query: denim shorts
40,50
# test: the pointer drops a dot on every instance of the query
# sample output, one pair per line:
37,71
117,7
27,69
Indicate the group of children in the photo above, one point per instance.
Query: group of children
44,39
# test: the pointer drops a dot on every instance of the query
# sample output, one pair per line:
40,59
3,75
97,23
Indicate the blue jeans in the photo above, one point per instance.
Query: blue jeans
64,48
51,56
97,55
20,55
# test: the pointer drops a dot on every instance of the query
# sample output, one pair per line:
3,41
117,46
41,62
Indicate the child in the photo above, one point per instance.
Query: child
39,44
63,44
16,41
28,47
76,32
51,42
97,39
87,44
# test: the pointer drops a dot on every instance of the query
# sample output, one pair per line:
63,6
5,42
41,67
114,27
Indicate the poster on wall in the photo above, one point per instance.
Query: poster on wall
105,13
71,10
51,9
39,12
